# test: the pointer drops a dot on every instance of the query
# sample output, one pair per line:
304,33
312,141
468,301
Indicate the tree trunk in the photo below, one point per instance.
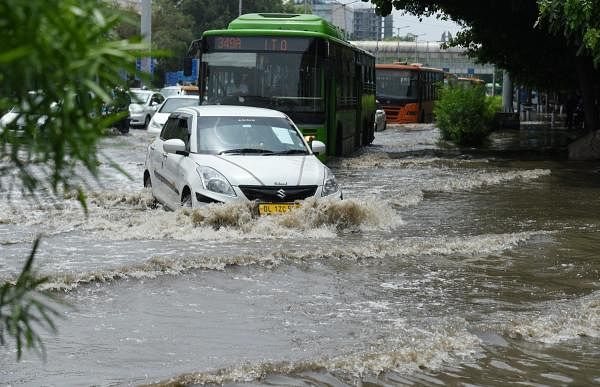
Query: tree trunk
588,146
585,74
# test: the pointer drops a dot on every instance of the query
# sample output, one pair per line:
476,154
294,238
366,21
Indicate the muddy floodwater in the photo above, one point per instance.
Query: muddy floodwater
439,267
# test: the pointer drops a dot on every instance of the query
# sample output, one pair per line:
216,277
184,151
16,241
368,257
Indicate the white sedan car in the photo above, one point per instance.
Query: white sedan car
221,154
143,106
169,106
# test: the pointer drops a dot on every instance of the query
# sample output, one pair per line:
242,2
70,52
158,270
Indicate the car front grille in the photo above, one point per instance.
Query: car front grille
278,194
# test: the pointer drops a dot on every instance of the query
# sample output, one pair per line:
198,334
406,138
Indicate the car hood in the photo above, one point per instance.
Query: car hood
290,170
161,118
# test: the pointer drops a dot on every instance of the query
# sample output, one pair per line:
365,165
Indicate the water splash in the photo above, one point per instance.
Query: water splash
405,351
359,252
560,321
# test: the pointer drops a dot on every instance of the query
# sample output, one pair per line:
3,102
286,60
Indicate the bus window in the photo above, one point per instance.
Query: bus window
273,80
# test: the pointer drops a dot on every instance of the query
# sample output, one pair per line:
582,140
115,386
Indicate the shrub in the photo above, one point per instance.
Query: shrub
464,114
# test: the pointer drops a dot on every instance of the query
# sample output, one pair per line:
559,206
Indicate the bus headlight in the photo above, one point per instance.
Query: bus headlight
330,185
214,181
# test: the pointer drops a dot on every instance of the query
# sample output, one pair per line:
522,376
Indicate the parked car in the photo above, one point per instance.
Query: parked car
167,107
220,154
380,118
143,106
169,91
22,113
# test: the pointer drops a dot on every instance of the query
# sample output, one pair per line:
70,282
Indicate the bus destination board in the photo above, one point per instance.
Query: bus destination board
257,43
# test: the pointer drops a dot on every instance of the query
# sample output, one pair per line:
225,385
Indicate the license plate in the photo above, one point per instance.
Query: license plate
276,208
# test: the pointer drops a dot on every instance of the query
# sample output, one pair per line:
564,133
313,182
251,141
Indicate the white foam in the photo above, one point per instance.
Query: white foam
560,321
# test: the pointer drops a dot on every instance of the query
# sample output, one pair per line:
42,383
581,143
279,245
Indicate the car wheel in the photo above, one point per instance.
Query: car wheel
147,181
146,122
186,199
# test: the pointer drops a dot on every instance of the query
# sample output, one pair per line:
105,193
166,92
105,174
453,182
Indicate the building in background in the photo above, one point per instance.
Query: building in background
367,24
340,15
388,26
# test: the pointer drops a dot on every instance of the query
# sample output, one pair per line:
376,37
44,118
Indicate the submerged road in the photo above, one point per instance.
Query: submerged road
438,268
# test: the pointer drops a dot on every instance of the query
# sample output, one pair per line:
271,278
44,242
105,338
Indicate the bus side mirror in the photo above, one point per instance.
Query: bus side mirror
187,66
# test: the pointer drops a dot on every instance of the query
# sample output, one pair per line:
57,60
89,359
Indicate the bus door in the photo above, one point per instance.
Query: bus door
359,129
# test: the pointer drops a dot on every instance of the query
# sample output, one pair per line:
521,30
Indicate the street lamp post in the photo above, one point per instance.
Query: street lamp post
398,44
416,36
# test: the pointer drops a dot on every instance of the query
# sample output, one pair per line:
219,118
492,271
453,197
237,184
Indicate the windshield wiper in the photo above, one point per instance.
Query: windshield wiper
291,152
246,150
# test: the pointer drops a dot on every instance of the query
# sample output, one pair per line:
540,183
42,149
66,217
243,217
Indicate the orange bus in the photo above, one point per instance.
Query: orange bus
407,91
470,81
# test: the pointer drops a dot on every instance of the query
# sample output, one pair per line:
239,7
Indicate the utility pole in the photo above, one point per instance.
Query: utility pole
240,8
416,36
398,44
494,80
507,93
146,32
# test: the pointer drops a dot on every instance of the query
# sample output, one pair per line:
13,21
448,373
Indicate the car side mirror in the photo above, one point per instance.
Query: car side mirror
318,147
175,145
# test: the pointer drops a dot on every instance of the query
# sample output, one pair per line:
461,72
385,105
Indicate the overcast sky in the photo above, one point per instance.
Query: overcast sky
430,28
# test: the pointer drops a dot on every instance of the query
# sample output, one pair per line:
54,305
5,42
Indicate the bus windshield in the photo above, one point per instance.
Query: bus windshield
396,84
284,81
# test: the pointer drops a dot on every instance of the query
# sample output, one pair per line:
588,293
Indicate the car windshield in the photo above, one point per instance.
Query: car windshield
140,96
169,91
249,135
172,104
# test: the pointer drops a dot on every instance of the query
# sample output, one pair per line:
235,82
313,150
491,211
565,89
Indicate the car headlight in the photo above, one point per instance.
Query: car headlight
330,186
214,181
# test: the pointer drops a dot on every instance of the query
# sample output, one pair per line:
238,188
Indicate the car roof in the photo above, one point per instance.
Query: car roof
231,111
183,96
142,91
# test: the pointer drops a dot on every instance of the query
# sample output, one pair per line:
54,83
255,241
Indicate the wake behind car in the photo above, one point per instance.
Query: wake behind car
167,107
221,154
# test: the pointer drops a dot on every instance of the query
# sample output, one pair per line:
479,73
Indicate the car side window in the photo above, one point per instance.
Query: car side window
182,130
168,131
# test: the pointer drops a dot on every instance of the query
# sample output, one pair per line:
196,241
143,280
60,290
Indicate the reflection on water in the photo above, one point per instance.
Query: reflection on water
442,267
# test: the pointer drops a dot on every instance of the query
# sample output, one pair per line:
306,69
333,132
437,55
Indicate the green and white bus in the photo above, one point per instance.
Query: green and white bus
298,64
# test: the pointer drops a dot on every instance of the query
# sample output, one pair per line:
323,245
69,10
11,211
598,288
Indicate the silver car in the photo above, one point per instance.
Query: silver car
220,154
380,118
144,104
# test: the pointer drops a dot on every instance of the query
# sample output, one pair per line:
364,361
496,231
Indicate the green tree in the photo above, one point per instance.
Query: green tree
210,15
58,66
546,44
464,114
171,33
578,22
